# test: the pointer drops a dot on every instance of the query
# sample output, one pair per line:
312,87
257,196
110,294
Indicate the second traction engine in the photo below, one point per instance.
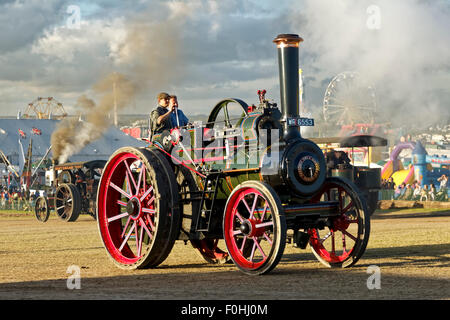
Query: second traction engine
246,178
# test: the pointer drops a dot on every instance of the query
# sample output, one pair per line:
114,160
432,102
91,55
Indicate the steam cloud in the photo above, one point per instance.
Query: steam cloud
72,135
147,57
401,47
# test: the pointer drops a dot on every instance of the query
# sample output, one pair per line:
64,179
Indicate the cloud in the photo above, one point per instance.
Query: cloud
94,39
205,51
162,45
24,21
406,56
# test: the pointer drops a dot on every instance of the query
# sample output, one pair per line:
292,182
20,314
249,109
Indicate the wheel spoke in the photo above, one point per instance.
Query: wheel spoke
259,247
246,205
264,212
148,210
139,179
140,241
115,187
122,203
253,252
127,237
243,244
119,216
130,174
349,235
322,240
145,227
136,236
127,180
254,206
125,227
149,202
237,232
238,215
146,194
268,238
264,224
347,207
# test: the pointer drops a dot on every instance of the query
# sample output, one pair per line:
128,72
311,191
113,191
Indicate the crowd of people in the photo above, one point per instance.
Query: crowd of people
13,199
415,191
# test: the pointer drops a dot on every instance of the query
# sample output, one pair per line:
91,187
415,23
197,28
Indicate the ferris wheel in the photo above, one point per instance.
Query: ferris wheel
45,108
349,99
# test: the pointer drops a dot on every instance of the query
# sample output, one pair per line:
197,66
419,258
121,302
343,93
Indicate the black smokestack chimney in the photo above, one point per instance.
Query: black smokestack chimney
287,45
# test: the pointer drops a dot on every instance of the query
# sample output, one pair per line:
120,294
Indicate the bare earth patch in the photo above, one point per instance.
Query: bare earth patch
411,250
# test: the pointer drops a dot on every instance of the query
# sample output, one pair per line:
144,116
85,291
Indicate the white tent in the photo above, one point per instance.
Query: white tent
15,136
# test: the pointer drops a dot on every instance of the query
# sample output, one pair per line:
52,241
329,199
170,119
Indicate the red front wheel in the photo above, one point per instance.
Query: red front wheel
344,240
254,227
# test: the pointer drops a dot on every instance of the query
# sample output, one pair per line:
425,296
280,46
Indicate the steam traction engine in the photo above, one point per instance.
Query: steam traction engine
251,180
74,191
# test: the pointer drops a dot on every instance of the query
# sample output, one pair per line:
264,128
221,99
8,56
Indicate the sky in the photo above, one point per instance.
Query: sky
206,50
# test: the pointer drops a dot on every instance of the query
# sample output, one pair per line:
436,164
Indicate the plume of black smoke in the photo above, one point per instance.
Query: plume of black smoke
72,135
148,59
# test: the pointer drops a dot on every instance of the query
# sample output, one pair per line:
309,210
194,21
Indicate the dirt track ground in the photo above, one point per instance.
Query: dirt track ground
412,250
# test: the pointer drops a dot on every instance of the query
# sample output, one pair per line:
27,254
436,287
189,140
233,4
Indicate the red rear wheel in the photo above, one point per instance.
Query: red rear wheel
210,251
133,209
343,242
254,227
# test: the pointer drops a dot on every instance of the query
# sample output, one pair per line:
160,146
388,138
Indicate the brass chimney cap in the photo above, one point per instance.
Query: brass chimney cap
287,40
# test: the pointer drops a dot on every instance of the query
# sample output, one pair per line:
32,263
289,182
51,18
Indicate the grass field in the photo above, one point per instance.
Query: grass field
410,247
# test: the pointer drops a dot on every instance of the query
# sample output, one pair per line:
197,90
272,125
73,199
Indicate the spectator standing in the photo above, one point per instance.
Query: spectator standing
399,191
391,184
424,193
417,191
407,195
7,199
2,201
443,182
432,192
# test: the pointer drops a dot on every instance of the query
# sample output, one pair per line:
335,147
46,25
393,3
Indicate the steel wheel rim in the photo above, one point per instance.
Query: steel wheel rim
127,232
250,248
64,202
338,242
41,209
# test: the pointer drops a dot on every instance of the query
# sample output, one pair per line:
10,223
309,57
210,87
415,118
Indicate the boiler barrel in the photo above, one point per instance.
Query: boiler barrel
368,178
343,173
